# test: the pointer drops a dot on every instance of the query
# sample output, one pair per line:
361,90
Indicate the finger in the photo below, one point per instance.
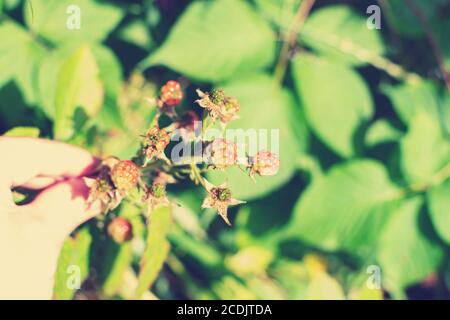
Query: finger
39,183
6,199
26,158
62,207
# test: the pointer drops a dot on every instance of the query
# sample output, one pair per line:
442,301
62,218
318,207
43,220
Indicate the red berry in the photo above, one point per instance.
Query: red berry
120,229
265,164
222,153
171,93
125,175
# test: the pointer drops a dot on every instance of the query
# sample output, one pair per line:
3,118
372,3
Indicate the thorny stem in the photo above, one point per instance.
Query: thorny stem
205,124
364,55
437,51
291,37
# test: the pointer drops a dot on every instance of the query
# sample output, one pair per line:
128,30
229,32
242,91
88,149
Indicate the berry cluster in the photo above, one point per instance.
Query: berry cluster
146,176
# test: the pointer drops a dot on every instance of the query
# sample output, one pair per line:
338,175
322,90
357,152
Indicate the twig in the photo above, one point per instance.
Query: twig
291,38
348,47
436,180
437,51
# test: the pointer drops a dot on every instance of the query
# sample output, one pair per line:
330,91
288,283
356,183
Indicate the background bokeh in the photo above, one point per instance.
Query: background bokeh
364,117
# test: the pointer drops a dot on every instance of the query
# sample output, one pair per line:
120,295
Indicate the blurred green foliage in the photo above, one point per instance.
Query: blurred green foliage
364,119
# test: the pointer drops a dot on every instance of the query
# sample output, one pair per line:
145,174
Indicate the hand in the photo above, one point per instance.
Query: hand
32,235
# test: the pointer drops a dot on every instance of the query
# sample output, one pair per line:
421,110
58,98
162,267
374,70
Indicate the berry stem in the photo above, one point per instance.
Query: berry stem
197,175
204,124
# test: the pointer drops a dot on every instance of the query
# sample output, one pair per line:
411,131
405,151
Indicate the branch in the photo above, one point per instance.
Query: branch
291,38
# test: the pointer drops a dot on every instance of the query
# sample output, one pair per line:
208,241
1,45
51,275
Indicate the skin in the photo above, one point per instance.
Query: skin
32,235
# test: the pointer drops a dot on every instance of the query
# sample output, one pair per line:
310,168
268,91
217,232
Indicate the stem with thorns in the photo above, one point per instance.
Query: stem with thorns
435,48
291,38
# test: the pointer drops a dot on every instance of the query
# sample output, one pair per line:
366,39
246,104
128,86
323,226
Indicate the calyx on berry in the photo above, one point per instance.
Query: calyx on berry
217,96
218,106
220,198
155,141
155,195
102,188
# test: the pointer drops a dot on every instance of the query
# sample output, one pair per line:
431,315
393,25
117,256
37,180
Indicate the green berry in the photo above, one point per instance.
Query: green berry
217,96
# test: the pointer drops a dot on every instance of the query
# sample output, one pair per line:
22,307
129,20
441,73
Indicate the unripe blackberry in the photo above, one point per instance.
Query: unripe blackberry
158,190
155,142
265,164
217,96
222,153
125,175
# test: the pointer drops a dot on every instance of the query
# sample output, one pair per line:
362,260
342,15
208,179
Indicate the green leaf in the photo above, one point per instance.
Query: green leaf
346,209
366,293
279,12
381,131
48,78
256,223
119,258
341,35
116,259
405,254
111,73
445,113
324,287
250,260
13,37
23,132
19,47
136,32
216,40
156,251
424,149
257,93
410,99
12,4
439,207
199,250
73,262
337,101
79,85
53,20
